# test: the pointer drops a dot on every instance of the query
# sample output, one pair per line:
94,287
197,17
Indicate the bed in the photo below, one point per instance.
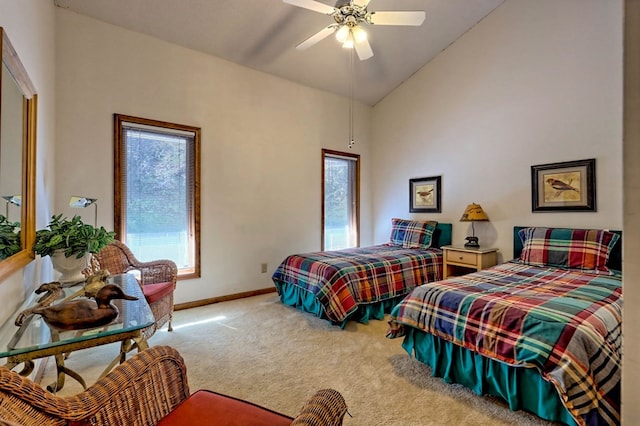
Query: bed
364,283
542,331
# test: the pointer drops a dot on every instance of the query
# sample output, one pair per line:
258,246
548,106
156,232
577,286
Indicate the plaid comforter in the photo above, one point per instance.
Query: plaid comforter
343,279
566,323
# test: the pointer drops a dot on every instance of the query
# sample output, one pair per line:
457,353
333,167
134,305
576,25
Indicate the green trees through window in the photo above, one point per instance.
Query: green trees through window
340,192
156,178
157,203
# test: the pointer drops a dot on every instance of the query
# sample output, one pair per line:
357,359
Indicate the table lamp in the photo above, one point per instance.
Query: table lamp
82,202
16,200
473,213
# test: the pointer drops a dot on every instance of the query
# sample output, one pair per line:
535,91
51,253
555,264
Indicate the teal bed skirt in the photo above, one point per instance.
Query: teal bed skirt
522,388
306,301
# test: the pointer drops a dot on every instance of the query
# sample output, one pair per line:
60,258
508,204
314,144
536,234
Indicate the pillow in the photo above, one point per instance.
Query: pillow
412,233
586,249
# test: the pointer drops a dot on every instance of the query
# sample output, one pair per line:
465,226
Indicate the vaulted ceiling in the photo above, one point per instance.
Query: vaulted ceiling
263,34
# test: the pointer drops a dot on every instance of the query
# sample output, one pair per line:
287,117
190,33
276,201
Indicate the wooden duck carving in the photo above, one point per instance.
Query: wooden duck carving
52,291
84,313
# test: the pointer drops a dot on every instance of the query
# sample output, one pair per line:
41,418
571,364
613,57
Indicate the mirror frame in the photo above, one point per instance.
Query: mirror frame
10,59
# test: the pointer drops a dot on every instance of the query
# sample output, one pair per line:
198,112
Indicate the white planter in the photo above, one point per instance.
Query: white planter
71,267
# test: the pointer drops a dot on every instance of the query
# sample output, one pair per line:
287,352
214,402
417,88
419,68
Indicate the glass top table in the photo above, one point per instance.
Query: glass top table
35,339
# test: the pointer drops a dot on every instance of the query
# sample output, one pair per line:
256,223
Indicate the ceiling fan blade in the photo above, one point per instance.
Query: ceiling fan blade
323,33
312,5
363,49
398,18
362,3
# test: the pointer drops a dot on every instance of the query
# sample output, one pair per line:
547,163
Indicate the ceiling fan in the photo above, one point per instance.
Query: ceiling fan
349,15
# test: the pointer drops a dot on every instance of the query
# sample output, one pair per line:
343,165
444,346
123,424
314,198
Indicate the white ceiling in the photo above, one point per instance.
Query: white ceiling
262,34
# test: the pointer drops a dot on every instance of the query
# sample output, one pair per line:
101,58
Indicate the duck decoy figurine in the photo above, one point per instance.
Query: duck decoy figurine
84,313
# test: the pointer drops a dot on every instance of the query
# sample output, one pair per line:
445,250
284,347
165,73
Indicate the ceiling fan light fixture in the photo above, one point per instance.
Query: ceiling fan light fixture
349,17
342,35
359,35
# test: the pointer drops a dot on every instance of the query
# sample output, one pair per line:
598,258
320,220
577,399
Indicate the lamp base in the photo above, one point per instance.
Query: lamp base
472,242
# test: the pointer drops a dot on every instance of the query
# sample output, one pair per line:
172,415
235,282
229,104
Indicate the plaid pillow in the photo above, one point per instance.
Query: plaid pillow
412,233
586,249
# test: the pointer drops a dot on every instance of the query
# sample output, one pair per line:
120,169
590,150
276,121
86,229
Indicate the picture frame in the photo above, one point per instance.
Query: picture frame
564,186
425,195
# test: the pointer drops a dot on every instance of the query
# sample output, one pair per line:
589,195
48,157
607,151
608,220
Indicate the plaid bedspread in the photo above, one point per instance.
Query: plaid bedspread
343,279
565,323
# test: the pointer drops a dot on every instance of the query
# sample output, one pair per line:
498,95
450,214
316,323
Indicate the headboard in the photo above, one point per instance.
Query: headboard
615,257
442,235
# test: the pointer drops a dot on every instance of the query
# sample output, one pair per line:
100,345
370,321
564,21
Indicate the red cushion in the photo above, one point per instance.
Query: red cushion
206,408
155,292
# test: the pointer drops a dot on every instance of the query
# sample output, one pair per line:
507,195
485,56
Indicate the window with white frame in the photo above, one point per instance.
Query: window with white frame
156,191
340,200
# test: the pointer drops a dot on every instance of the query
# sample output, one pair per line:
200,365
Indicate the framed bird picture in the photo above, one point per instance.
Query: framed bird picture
566,186
425,195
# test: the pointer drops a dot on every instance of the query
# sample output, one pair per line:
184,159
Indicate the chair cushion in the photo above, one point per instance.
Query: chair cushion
205,407
155,292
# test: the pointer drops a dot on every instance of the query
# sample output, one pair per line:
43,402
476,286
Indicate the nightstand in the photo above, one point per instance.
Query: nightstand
460,260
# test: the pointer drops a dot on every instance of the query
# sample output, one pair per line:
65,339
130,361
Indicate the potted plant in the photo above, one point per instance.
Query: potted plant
70,244
9,238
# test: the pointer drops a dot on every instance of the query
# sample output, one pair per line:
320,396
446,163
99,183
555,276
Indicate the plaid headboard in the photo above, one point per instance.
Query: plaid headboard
615,257
442,235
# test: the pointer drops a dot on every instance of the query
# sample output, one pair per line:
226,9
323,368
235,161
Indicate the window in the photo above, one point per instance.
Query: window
157,191
340,200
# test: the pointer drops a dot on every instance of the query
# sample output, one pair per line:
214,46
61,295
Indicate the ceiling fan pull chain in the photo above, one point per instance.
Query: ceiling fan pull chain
351,140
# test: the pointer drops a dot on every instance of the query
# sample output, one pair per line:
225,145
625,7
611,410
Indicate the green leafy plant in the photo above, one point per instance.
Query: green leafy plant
9,238
73,236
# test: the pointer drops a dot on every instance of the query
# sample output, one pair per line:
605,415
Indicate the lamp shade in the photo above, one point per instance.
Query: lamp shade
359,34
81,202
13,199
474,213
343,33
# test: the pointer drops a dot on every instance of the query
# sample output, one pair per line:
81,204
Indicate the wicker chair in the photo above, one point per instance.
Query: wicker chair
141,391
117,258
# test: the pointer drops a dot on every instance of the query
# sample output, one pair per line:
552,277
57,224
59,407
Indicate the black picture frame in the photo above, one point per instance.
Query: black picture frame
564,186
425,195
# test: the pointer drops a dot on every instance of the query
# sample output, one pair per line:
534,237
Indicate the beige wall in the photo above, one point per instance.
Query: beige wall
261,144
532,83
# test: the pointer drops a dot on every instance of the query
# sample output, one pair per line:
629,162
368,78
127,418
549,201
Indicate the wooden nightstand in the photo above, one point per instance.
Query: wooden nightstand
460,260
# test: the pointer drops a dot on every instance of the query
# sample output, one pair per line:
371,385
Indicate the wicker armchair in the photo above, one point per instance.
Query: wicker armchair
139,392
117,258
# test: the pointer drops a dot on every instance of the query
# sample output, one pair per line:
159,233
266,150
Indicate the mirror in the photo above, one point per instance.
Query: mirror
18,104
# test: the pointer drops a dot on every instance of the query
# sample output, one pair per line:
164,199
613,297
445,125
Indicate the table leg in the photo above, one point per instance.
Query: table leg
63,371
142,343
59,383
28,367
126,346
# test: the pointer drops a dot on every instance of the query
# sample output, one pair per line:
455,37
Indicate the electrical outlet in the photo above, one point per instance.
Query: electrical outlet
263,268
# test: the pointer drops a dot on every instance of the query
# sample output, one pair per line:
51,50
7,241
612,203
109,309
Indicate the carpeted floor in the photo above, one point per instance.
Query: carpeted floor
263,351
